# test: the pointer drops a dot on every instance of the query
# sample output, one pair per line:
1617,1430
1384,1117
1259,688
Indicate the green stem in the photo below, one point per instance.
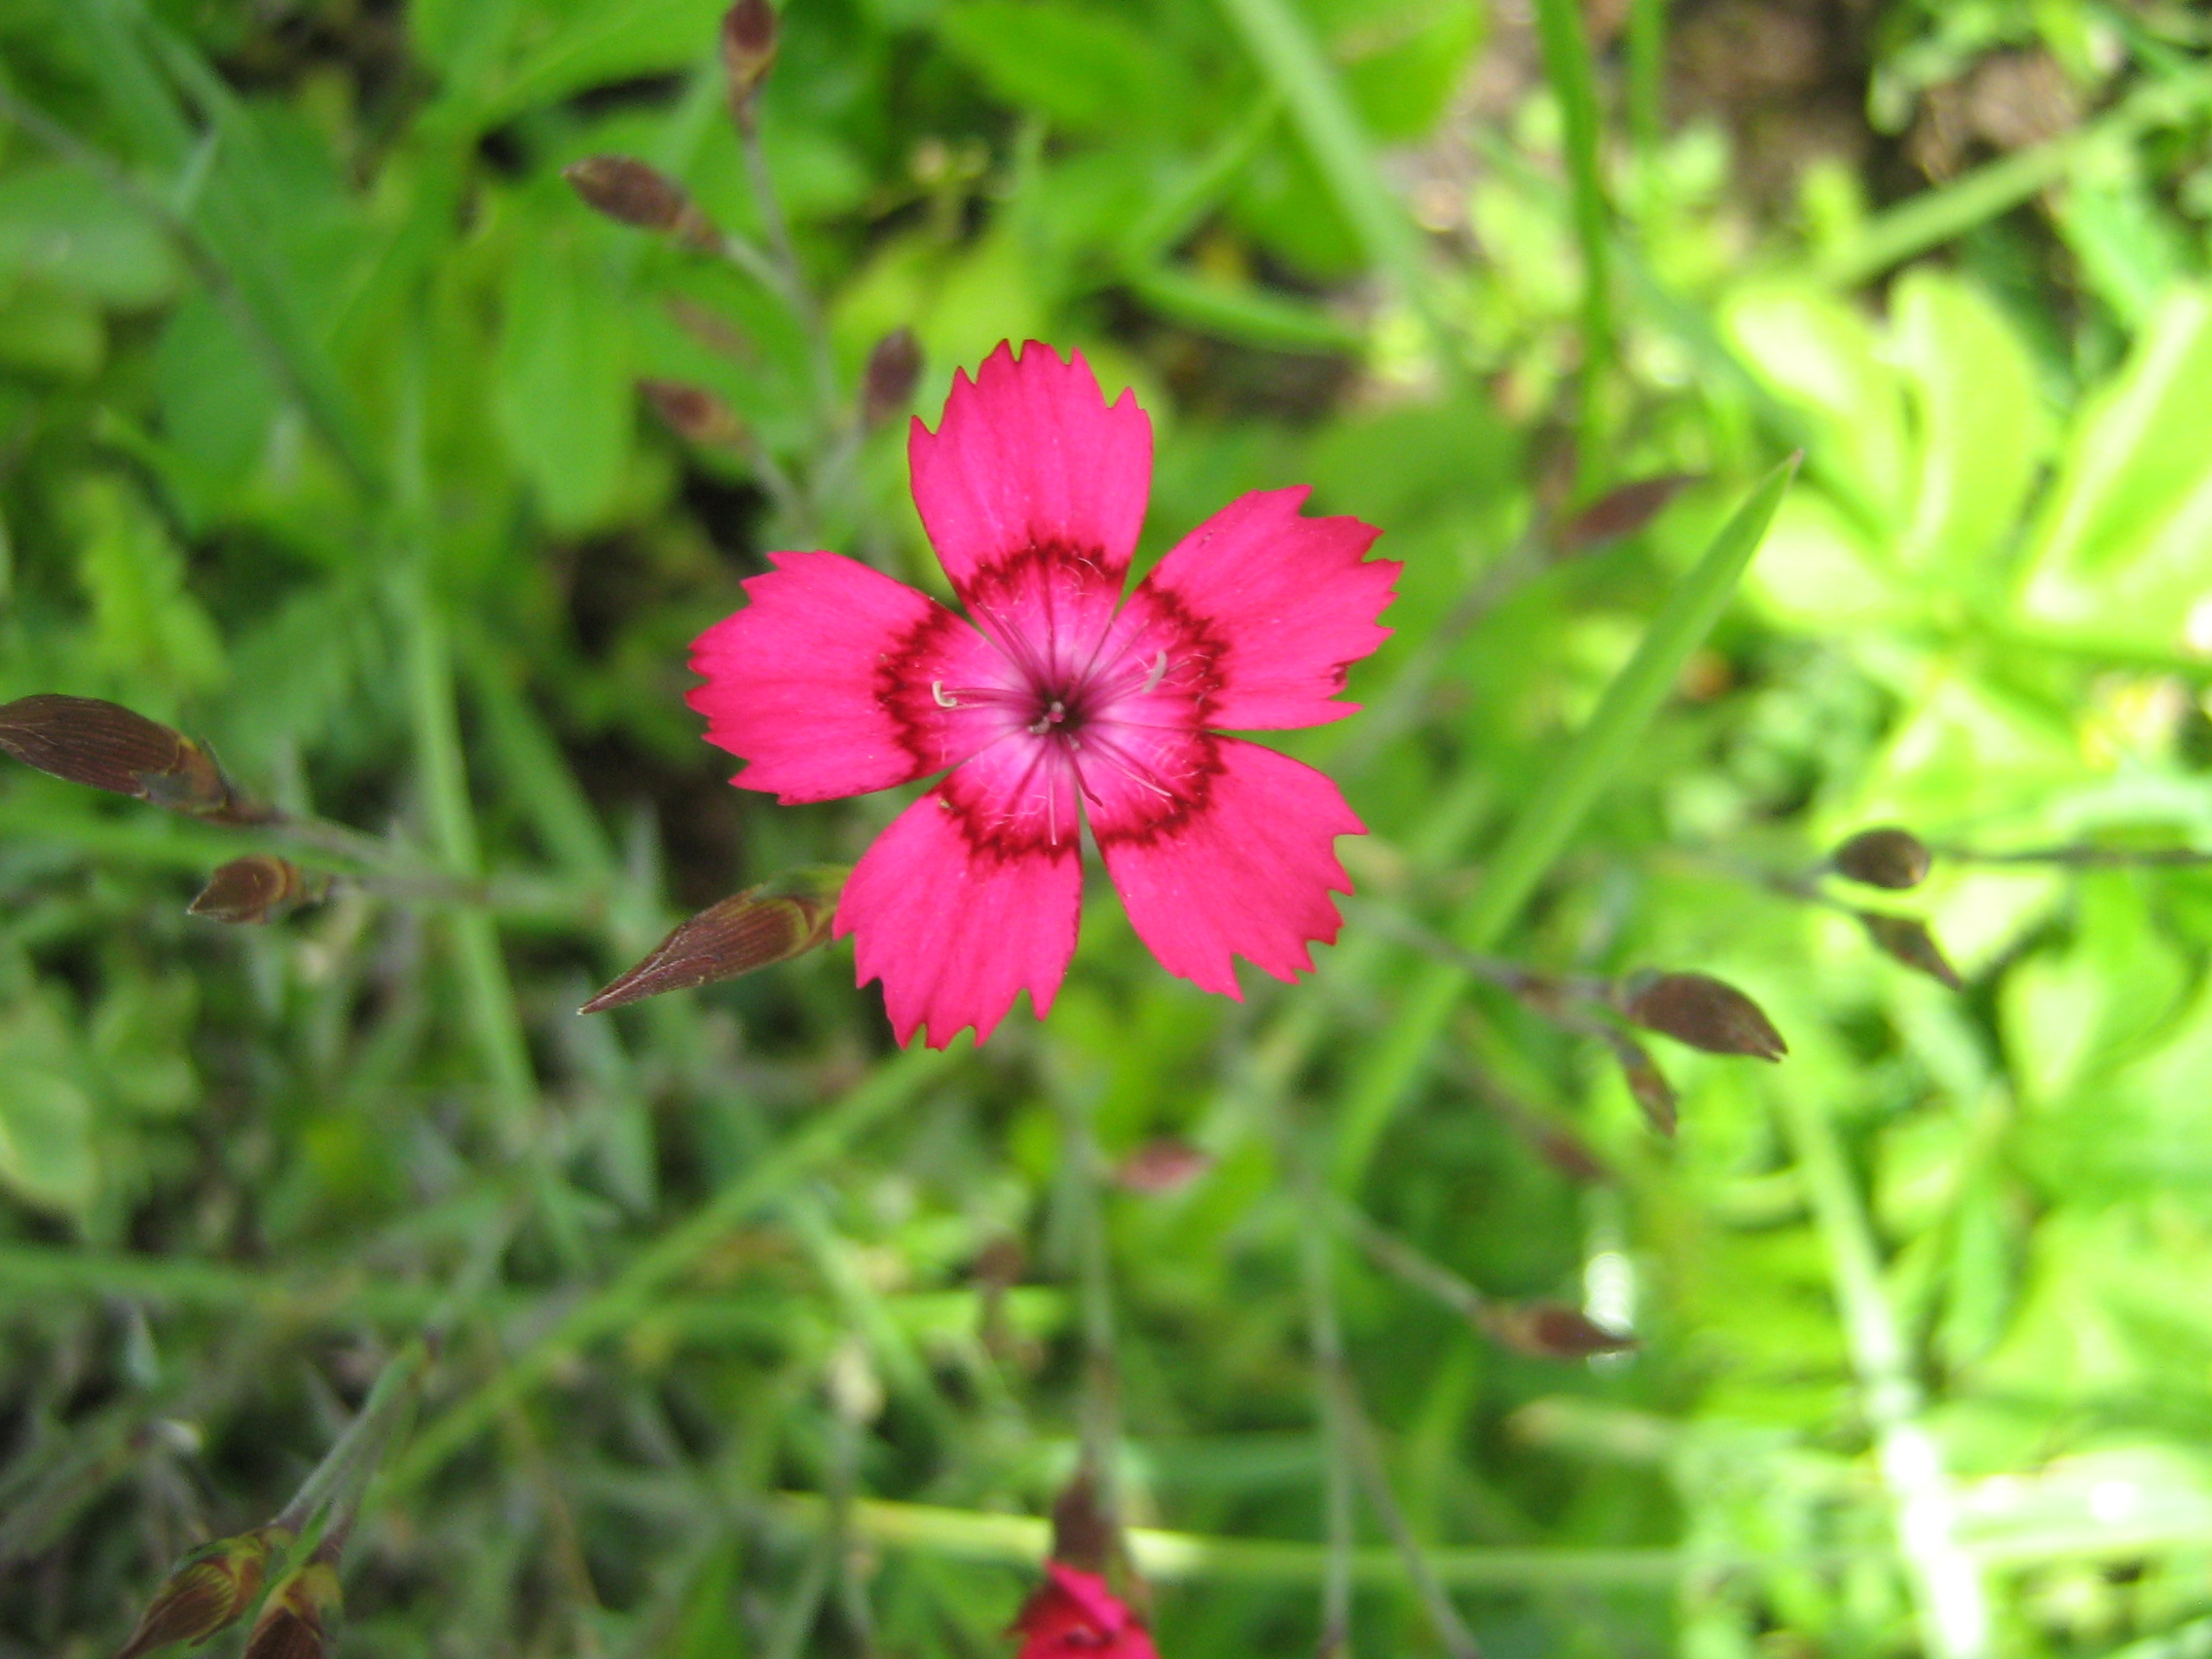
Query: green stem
488,993
1574,83
614,1305
1946,1580
363,1435
1085,1224
1327,1343
1542,832
1936,216
1292,64
1647,76
806,310
1165,1556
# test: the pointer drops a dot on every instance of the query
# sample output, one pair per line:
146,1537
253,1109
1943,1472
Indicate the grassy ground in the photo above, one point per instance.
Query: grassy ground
322,439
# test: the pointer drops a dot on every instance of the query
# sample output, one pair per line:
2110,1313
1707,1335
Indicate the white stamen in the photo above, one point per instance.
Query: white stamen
1050,718
1159,672
937,690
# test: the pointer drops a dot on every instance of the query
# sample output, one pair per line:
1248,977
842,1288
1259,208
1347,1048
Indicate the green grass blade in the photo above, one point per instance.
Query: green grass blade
1574,83
1292,64
1542,832
614,1305
1251,314
1937,216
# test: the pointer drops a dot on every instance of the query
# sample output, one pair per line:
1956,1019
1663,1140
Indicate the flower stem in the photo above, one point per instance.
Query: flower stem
1086,1234
1539,837
1946,1582
1327,1343
797,292
350,1458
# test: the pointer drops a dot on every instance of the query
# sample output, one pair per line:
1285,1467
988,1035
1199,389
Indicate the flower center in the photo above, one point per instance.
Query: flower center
1060,705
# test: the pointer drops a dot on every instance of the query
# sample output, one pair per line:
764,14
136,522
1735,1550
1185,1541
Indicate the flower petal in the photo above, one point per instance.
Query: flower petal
833,681
972,895
1029,457
1286,605
1217,847
1073,1612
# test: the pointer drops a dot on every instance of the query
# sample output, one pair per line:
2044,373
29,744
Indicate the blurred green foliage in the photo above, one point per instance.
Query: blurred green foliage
320,438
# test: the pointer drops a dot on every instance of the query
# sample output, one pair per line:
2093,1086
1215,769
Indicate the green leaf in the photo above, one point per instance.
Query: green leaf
62,226
562,386
51,332
1982,428
46,1156
217,404
1087,70
562,48
2120,548
146,626
46,1140
1820,354
1400,73
1541,831
1244,313
1818,572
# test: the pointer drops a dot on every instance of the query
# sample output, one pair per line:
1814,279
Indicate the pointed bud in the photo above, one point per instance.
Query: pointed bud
1620,512
1553,1330
630,192
748,50
1701,1010
1645,1081
257,888
1911,943
206,1590
998,1270
297,1621
1892,857
1084,1534
770,923
893,368
692,412
1162,1166
105,746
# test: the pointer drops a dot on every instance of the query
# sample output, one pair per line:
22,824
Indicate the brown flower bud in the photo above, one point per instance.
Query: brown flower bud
629,192
770,923
1889,857
1701,1010
1620,512
748,50
105,746
1162,1166
692,412
1084,1534
1911,943
999,1268
297,1621
1553,1330
206,1590
260,886
893,368
1645,1081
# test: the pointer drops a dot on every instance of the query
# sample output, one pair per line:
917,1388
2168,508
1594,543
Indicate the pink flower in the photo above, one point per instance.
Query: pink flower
1073,1612
1058,702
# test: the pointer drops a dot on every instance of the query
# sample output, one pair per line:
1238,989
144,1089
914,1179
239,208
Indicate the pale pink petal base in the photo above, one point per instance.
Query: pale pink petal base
1030,458
971,896
1289,602
823,682
1242,864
